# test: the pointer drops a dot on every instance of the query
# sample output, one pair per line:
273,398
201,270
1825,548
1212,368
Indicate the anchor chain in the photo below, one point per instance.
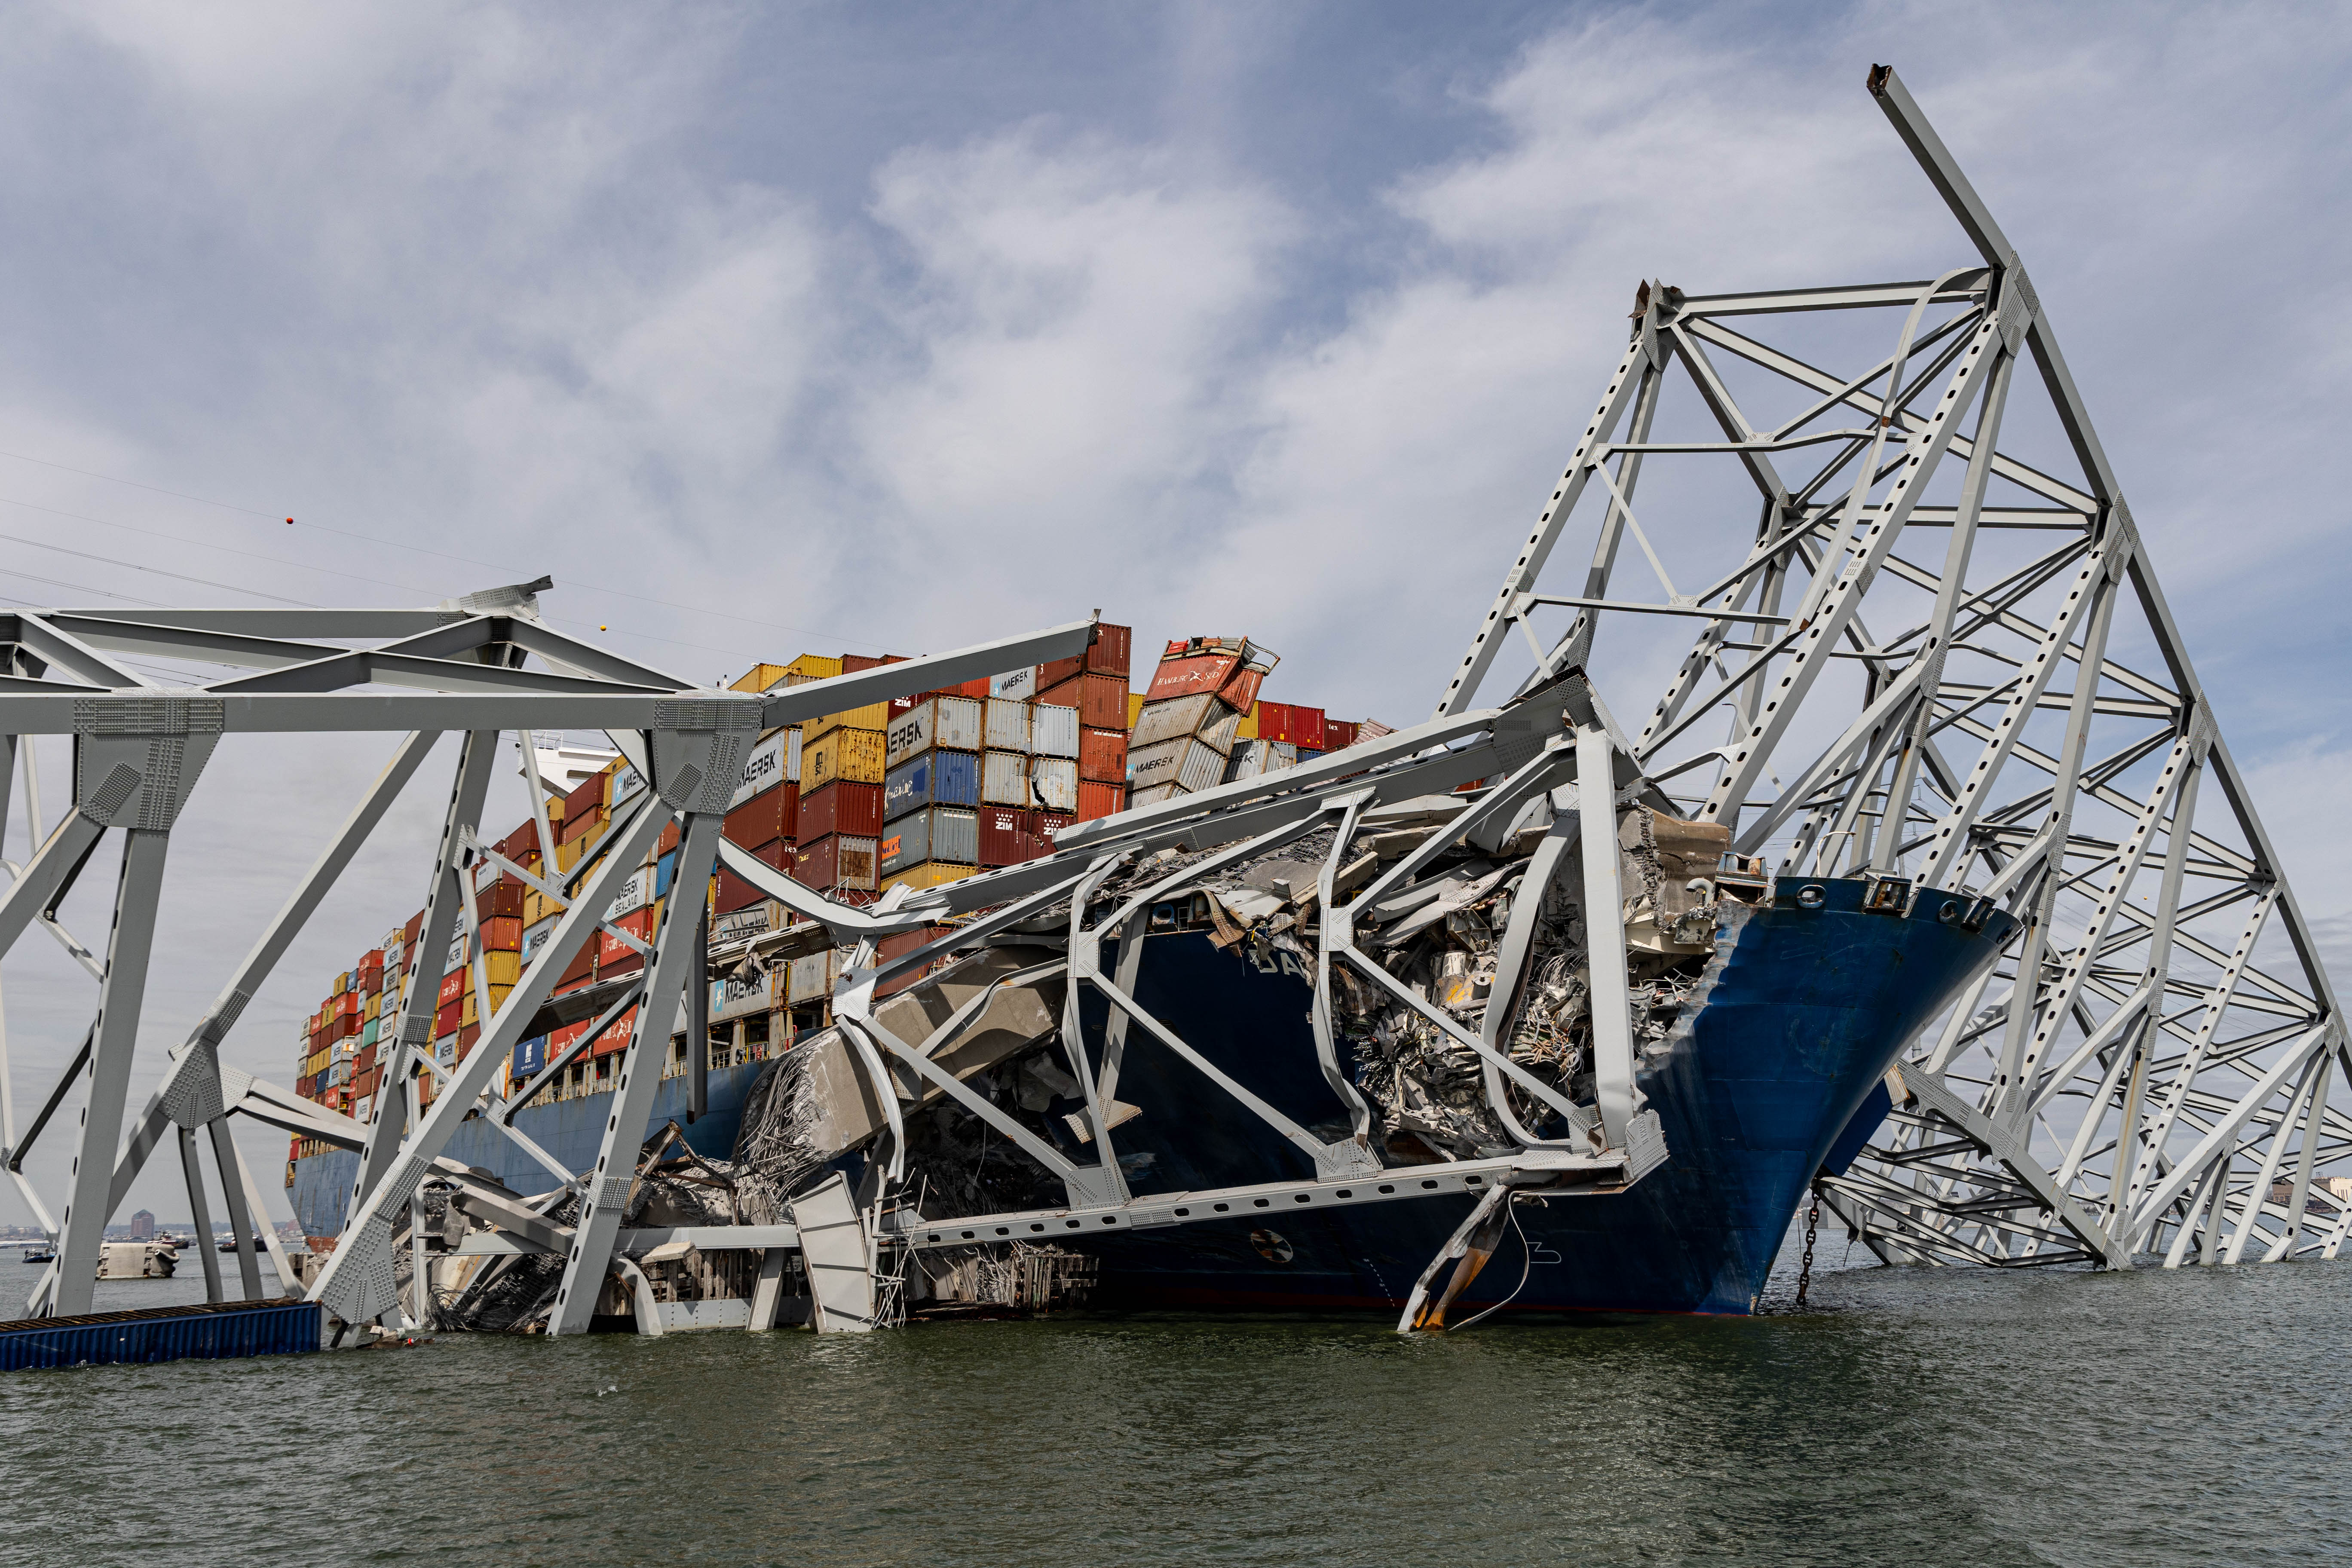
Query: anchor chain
1805,1269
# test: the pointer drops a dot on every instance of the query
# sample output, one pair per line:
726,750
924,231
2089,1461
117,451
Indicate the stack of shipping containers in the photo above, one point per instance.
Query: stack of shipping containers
925,790
1190,716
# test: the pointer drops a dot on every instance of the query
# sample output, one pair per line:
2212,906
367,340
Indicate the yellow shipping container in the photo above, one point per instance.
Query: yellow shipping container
812,667
567,855
1135,712
852,754
535,906
874,717
929,874
374,1005
505,968
759,677
1248,730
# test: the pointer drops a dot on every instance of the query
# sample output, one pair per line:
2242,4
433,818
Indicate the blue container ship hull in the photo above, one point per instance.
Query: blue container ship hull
1762,1082
1806,1011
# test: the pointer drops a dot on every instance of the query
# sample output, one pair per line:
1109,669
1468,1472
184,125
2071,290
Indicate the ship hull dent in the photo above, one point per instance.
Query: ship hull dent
1800,1014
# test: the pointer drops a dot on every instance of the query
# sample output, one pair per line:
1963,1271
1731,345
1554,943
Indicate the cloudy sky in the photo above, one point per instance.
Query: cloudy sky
828,327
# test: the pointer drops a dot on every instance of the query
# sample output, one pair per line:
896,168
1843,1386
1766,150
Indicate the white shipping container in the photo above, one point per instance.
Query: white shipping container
1021,685
1053,731
1004,779
635,894
535,937
740,923
1152,795
793,755
1173,718
1252,759
1223,724
625,782
811,976
1054,781
1187,765
952,723
1008,724
763,770
734,998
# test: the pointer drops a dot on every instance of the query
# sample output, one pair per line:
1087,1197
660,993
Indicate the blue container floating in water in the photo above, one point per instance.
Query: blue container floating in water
221,1331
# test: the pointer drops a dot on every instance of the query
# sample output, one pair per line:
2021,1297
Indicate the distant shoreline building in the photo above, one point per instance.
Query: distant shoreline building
142,1225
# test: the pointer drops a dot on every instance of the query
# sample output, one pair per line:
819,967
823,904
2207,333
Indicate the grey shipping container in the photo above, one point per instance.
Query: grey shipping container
1008,724
1004,779
1252,759
936,833
1054,782
1170,719
952,723
1189,765
1053,731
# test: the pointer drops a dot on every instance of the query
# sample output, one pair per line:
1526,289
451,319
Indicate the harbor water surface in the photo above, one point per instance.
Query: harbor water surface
1912,1416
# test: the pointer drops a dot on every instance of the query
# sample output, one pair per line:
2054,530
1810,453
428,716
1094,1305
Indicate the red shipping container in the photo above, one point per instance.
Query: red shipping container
467,1037
1111,653
1100,700
1102,755
582,969
1007,835
1048,823
453,985
446,1018
766,817
500,901
612,955
668,841
1100,800
502,934
616,1038
589,796
562,1039
408,932
851,663
841,807
521,843
734,893
1288,722
1338,734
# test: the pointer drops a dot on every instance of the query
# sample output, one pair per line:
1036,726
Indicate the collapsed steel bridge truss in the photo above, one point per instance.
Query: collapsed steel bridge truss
1900,651
1926,658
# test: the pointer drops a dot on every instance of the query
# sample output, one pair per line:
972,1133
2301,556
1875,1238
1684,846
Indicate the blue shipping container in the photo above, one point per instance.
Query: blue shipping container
529,1057
163,1334
665,869
930,778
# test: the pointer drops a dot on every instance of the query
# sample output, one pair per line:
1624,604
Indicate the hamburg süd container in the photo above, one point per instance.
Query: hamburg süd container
1053,782
949,833
1005,779
842,806
931,778
952,724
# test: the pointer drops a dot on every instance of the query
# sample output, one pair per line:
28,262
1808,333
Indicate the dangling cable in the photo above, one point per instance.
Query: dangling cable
1527,1265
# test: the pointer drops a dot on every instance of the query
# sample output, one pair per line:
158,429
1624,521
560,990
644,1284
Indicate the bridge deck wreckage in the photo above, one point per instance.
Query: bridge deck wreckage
1997,737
